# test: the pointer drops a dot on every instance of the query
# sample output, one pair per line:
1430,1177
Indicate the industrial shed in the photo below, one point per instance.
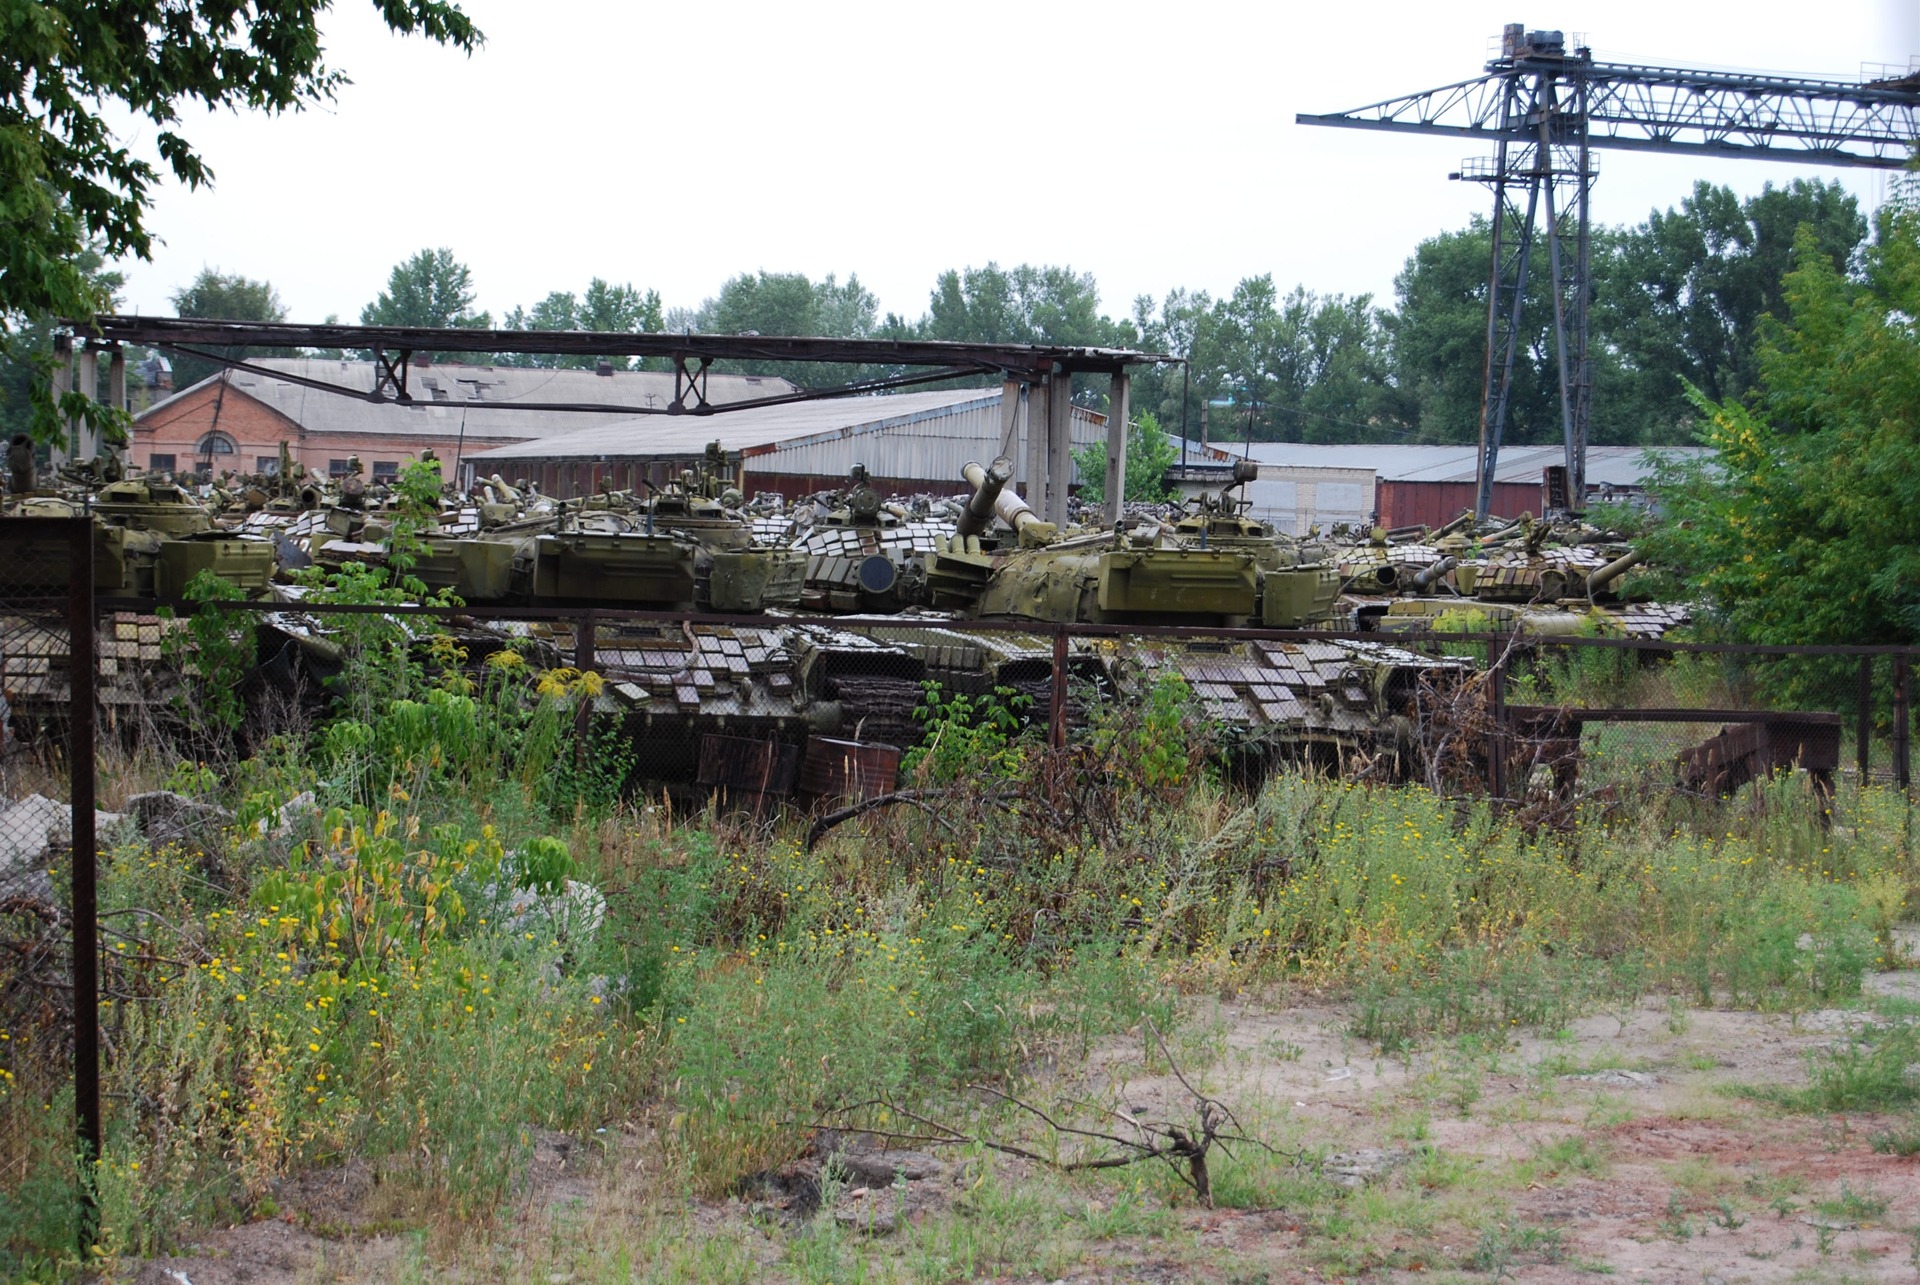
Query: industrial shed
1306,485
909,442
237,419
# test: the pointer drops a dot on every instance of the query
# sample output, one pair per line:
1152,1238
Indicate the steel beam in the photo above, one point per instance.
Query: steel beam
1033,360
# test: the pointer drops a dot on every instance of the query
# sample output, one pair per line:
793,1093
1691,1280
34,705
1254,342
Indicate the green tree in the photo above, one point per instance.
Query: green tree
431,289
69,185
1685,291
788,304
604,307
1299,367
24,373
1025,305
1180,325
1804,527
216,295
1438,334
1150,453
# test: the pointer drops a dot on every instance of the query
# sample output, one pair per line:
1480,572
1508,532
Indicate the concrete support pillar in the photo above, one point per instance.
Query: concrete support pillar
62,450
1119,406
1011,394
1059,447
117,392
1039,417
86,381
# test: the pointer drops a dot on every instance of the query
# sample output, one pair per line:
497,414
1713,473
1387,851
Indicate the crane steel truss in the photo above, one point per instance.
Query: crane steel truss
1545,110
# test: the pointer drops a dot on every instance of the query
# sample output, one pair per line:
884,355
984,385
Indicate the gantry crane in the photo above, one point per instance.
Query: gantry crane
1545,109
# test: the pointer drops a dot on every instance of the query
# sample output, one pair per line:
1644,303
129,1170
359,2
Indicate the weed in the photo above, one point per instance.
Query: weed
1573,1154
1726,1217
1502,1248
1676,1225
1902,1138
1855,1206
1874,1071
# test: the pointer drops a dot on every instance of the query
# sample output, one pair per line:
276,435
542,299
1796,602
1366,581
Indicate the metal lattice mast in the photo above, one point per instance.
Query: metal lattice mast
1545,110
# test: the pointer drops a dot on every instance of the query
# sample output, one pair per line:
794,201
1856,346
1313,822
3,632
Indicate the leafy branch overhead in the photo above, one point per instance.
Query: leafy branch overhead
70,186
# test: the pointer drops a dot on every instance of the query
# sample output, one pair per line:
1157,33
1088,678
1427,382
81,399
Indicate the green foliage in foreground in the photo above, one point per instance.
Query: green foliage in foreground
1804,526
431,962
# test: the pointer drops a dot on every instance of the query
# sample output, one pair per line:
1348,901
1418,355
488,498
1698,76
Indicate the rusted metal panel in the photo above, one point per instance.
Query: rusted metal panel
1436,503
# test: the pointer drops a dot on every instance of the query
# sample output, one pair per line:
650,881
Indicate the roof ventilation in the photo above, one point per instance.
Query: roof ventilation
603,366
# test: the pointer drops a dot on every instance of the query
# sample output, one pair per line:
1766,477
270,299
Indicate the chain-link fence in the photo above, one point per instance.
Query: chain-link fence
48,1061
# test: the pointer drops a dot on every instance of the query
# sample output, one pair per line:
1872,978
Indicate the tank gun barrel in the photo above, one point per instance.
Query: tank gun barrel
1430,576
1007,506
1599,580
1460,523
987,484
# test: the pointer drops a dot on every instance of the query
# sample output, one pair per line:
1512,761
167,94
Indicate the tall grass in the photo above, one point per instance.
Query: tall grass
364,984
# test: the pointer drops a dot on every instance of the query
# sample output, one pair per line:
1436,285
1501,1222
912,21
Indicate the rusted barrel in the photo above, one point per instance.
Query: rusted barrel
747,772
836,769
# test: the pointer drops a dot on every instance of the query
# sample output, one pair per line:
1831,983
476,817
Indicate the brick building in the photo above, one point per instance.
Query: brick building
237,419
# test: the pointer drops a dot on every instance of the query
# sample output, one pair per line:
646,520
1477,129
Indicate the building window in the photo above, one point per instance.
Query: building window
385,470
336,468
159,463
267,465
215,444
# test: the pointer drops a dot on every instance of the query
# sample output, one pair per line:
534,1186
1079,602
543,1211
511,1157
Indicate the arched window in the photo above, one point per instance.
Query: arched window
215,444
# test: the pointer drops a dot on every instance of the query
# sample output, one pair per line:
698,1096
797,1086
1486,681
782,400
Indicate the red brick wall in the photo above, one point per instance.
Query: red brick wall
257,430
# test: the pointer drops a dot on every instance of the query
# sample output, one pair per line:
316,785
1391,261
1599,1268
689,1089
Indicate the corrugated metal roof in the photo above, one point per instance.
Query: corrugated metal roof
484,396
768,428
1606,465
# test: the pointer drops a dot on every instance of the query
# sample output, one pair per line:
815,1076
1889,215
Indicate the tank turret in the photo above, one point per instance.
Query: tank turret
1215,566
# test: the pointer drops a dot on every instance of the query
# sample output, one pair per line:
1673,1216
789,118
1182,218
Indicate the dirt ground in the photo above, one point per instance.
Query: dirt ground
1618,1147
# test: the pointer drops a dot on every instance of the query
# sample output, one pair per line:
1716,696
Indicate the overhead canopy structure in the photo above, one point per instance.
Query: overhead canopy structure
1037,378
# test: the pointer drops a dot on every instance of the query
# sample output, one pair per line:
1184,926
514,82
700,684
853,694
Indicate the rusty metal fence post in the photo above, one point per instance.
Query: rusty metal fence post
81,734
1863,728
1902,718
585,639
1057,721
1497,733
49,967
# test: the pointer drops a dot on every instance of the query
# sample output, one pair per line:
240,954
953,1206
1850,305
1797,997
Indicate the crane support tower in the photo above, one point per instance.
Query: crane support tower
1546,108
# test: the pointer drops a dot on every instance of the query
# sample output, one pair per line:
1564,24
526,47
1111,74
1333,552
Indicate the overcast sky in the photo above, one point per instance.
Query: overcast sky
672,146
